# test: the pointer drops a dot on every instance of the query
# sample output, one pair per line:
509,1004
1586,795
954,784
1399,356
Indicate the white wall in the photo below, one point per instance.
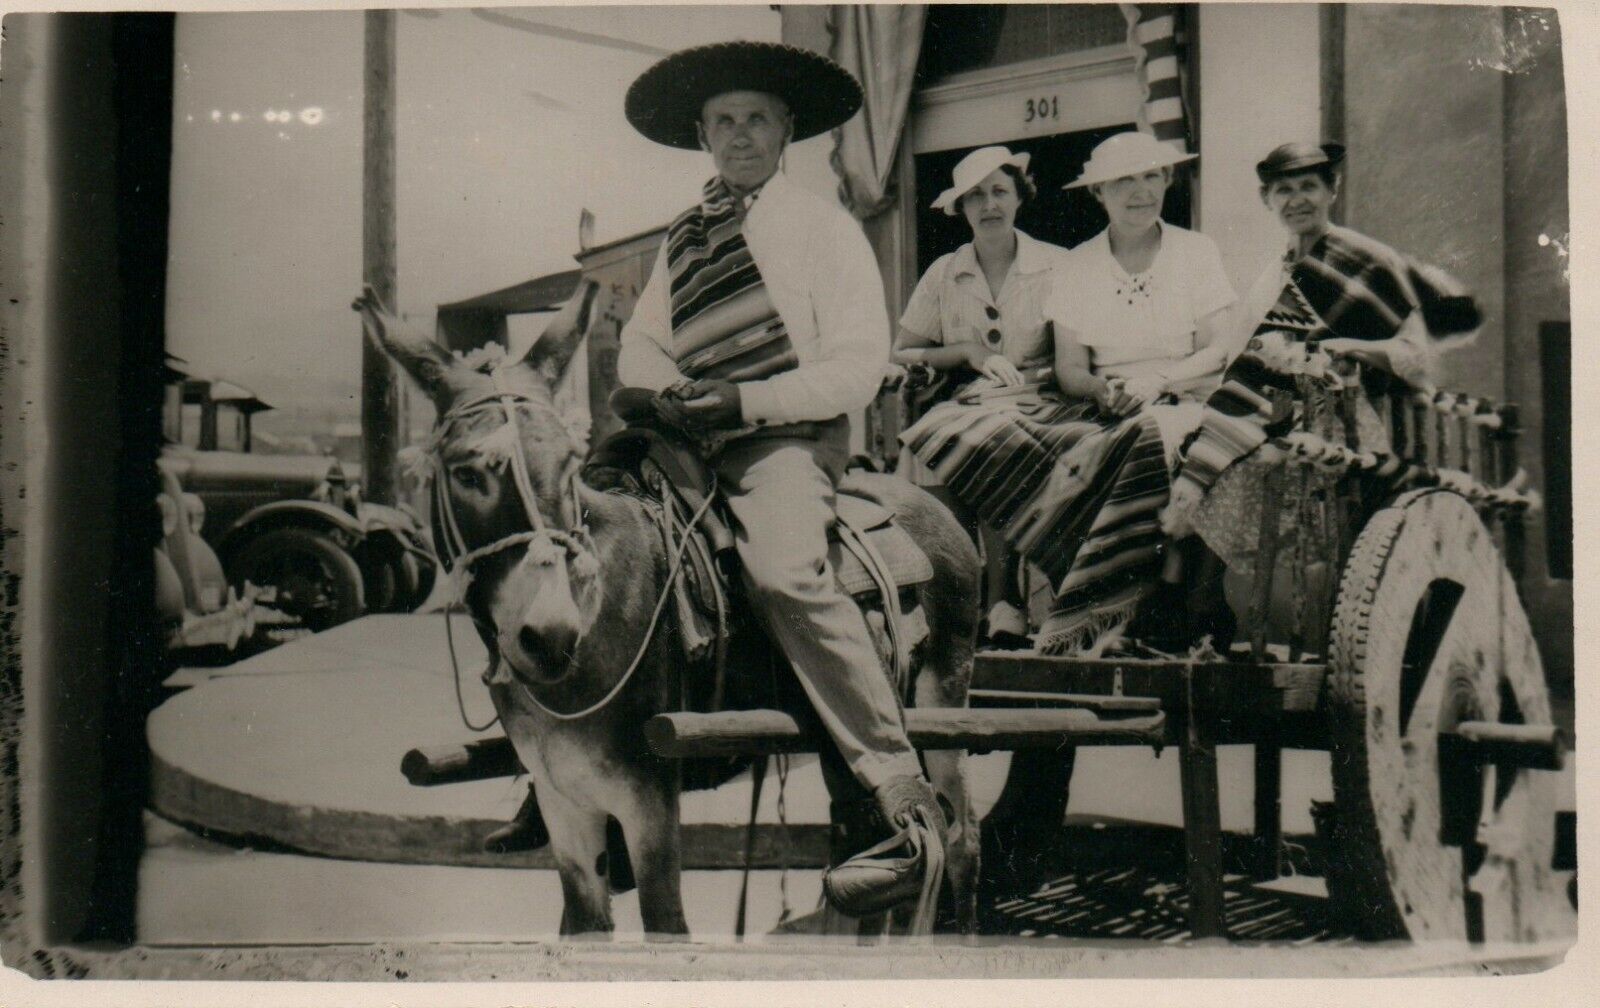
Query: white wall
1260,72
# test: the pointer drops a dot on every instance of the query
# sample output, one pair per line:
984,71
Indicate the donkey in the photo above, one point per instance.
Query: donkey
564,583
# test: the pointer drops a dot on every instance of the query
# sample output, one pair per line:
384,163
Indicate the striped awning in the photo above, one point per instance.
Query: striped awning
1154,34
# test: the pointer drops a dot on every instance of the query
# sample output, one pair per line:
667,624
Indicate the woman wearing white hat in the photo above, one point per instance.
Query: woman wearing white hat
980,308
1143,325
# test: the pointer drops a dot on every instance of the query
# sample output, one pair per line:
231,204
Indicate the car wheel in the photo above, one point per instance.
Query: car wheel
315,580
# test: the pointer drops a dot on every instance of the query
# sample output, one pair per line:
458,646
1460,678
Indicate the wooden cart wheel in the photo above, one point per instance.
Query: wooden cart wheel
1429,632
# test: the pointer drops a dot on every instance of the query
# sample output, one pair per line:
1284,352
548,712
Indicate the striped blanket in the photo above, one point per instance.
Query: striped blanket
1348,286
1073,490
723,322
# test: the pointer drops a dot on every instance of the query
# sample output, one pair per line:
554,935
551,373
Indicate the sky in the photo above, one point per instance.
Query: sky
504,133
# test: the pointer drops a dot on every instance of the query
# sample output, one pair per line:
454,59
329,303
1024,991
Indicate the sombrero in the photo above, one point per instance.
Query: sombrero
1291,158
665,102
1124,154
974,168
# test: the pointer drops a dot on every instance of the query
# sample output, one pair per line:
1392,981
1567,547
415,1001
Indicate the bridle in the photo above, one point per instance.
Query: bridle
457,558
546,543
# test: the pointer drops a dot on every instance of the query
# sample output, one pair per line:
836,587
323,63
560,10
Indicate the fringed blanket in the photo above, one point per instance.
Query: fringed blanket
1073,490
723,322
1347,286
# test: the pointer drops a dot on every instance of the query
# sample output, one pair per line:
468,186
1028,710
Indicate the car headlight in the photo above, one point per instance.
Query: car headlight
195,509
169,515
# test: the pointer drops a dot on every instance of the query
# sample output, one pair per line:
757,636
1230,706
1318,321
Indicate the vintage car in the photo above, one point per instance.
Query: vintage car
292,525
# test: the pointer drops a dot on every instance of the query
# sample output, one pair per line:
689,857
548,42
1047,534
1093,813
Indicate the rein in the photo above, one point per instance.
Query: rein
546,543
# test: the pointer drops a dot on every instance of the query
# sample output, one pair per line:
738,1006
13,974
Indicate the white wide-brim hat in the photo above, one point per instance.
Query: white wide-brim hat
1124,154
974,168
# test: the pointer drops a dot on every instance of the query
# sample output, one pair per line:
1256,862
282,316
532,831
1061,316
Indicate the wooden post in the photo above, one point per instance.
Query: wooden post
380,388
1266,864
1202,812
1511,518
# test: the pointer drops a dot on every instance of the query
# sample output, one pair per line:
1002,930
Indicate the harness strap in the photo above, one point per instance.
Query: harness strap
858,543
758,776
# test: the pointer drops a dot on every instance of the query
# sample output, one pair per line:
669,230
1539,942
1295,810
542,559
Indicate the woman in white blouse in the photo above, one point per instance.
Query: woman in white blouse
1142,312
1144,326
980,308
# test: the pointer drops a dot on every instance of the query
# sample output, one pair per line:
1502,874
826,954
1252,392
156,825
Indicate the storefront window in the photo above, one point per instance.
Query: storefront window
961,37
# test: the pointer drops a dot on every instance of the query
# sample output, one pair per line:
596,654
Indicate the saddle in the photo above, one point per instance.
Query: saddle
873,559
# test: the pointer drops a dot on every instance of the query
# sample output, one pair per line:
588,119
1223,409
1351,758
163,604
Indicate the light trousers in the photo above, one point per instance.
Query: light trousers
781,492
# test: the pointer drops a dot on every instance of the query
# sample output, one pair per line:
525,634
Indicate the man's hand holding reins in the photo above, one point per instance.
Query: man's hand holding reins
712,404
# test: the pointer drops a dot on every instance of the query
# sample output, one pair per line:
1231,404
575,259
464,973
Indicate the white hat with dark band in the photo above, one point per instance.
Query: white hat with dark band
974,168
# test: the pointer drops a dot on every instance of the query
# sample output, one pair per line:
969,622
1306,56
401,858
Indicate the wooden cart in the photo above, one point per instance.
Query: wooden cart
1414,667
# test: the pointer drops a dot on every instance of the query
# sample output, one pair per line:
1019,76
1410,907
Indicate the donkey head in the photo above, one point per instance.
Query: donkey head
505,459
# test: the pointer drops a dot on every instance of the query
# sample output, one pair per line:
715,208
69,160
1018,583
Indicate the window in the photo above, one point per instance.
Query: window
959,37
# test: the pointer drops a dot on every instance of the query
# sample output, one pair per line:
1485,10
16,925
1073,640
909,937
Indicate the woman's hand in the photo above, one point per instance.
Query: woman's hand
1112,395
1000,369
1361,351
1177,518
1143,388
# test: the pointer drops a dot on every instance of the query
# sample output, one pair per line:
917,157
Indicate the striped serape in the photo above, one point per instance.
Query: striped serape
723,322
1074,491
1348,286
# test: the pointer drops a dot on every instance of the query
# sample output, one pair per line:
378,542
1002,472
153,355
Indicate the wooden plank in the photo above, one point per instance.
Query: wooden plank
755,732
330,831
1299,682
1098,702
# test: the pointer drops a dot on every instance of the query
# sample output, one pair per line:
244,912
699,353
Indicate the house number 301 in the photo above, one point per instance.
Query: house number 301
1042,108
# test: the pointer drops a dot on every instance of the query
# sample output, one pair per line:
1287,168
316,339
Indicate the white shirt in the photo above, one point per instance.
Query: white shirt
823,280
1128,319
953,304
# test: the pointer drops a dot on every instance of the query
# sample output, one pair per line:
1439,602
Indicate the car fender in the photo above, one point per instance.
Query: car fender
279,514
375,517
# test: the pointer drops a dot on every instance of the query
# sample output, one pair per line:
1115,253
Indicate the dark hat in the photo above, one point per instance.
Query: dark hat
665,102
1293,158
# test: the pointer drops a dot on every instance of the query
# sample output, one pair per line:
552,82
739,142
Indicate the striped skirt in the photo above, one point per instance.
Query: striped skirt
1076,492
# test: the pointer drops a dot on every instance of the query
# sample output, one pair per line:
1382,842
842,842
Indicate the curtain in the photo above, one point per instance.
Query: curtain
879,44
1156,36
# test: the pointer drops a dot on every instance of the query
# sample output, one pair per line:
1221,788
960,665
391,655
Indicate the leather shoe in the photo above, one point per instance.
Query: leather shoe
526,831
894,871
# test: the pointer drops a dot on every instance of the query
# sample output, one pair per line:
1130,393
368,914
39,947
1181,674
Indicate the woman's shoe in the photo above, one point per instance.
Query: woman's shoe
1007,628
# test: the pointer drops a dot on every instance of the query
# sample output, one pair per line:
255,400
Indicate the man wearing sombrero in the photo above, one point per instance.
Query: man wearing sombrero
764,321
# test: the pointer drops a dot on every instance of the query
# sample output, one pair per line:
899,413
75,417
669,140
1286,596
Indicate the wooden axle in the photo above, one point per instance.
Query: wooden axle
457,764
1523,746
757,732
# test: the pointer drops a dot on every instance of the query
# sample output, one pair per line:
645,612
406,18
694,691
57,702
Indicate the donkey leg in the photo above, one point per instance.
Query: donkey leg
578,844
650,824
947,770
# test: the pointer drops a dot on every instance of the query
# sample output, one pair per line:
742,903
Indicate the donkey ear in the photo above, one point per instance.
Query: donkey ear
429,364
552,351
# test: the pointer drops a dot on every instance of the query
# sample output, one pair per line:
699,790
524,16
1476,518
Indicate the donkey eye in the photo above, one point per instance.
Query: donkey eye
469,478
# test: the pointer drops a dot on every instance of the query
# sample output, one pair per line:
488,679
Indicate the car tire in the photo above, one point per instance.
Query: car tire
315,580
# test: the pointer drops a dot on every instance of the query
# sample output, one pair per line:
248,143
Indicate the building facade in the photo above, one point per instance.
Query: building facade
1455,120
